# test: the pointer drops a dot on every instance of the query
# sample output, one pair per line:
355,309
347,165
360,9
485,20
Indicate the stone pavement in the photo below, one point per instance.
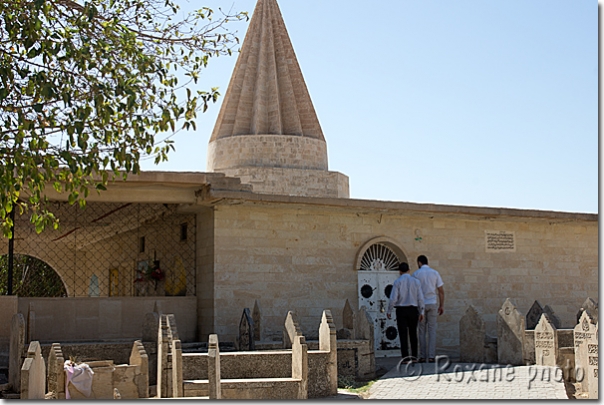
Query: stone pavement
469,381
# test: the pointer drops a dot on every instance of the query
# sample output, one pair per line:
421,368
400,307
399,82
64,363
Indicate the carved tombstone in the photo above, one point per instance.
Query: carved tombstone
16,350
584,330
246,331
471,337
591,307
546,342
256,316
291,330
552,316
328,342
533,315
56,375
592,364
33,373
510,335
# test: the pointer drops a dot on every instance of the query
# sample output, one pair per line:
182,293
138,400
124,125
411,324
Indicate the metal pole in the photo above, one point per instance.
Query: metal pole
11,253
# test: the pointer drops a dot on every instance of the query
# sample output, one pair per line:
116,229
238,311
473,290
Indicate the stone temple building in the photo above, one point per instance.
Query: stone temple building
268,223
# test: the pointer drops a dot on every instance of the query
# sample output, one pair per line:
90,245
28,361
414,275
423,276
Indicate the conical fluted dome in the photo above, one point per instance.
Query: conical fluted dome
267,94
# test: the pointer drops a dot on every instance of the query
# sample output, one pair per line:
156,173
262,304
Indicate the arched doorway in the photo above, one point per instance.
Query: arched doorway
377,267
32,277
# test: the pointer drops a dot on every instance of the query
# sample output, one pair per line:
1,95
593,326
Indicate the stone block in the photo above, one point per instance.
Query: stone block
546,342
214,378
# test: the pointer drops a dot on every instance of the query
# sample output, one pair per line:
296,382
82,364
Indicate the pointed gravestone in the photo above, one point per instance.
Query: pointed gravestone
533,315
291,330
552,316
510,335
546,342
348,316
591,307
592,364
246,331
471,337
256,315
584,331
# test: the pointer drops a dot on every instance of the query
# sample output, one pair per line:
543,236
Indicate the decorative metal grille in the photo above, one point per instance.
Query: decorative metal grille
379,257
104,249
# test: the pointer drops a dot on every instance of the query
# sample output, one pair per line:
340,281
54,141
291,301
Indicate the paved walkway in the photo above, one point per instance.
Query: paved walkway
469,381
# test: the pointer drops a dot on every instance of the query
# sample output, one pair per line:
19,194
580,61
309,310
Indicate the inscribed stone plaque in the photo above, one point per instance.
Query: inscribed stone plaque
546,342
510,335
533,315
471,337
499,241
347,362
584,330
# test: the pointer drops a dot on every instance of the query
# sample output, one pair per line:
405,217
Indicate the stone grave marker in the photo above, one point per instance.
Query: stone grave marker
546,342
16,350
291,330
348,316
510,335
553,318
582,332
33,373
591,307
246,331
215,391
533,315
471,337
256,316
592,366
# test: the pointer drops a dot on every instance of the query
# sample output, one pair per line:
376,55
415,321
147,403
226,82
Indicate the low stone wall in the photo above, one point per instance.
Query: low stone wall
97,319
8,308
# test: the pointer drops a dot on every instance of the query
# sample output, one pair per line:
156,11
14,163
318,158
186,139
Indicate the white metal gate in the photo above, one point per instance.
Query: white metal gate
377,273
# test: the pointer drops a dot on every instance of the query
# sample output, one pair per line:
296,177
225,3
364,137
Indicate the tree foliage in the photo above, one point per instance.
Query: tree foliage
31,278
87,88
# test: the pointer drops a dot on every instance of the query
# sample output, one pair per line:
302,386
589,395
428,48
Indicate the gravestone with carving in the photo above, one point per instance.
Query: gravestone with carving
553,318
584,330
510,335
592,364
546,342
471,337
246,331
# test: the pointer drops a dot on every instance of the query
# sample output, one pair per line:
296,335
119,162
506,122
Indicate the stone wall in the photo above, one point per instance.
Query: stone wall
302,257
94,319
8,307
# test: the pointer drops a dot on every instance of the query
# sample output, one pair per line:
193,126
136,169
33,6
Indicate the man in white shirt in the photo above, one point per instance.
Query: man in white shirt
432,285
408,299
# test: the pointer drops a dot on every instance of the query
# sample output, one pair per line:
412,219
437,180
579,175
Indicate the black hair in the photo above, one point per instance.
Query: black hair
403,267
422,260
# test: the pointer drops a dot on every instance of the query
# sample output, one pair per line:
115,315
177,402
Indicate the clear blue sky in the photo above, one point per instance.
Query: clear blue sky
461,102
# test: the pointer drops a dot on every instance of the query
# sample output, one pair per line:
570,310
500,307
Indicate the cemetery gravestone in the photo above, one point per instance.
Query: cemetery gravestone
246,331
471,337
582,332
592,364
533,315
546,342
256,315
510,335
552,316
291,330
591,307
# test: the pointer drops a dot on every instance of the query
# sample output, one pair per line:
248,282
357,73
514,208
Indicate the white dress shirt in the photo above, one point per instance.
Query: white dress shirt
430,281
406,291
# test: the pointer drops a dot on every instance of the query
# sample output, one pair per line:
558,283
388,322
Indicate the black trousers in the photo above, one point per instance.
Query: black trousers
406,320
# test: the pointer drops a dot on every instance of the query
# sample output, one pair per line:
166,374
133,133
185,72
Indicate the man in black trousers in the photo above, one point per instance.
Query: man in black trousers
408,299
